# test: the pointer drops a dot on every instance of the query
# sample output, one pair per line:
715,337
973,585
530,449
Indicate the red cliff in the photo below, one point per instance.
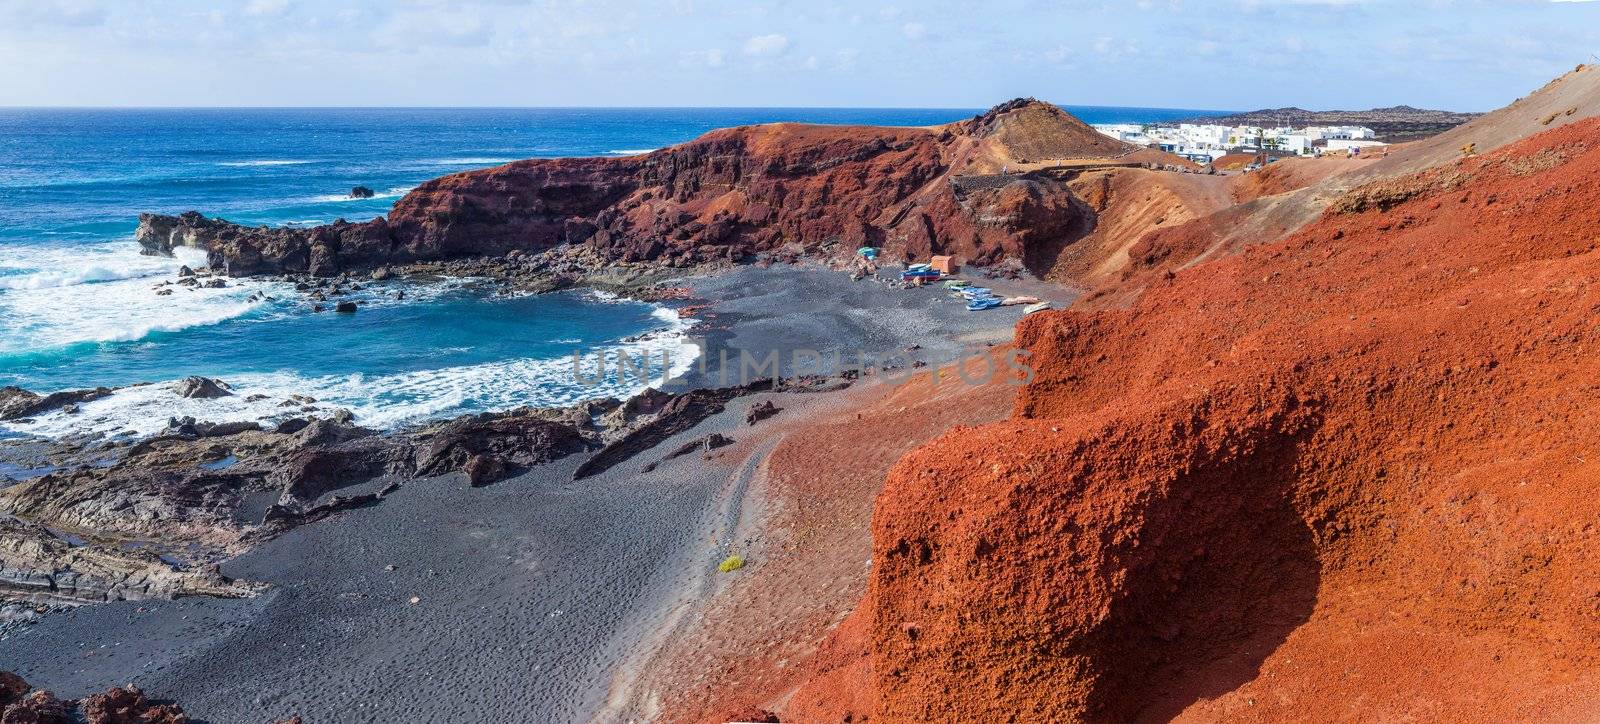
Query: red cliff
724,196
1347,474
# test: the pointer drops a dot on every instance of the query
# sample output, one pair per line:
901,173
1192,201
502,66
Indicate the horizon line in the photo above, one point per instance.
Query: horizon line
577,107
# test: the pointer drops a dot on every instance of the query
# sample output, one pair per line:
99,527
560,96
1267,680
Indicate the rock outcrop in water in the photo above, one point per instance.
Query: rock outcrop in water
17,403
725,196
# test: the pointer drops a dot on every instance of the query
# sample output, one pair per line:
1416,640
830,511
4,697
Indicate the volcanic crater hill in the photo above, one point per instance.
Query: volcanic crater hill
725,196
1348,474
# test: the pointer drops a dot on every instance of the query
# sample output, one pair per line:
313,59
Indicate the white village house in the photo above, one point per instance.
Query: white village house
1204,143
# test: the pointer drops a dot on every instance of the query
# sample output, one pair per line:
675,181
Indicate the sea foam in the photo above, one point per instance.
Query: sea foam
390,401
57,296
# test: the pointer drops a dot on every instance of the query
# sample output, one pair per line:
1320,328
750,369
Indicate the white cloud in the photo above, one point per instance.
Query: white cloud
766,45
915,30
434,28
845,60
47,13
266,7
710,58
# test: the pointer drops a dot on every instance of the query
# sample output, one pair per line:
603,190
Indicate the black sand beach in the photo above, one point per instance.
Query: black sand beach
529,594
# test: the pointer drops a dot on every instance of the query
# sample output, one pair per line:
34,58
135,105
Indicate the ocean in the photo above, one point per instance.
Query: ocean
78,303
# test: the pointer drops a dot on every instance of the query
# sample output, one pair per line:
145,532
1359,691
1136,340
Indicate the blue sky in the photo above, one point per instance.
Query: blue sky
1231,54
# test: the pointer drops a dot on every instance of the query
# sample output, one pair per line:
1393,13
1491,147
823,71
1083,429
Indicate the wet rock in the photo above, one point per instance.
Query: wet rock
17,403
215,284
345,307
181,427
291,426
226,429
185,271
362,192
203,388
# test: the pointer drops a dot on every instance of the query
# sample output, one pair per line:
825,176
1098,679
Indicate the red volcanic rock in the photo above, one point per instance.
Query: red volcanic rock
40,707
128,705
1346,475
727,195
124,705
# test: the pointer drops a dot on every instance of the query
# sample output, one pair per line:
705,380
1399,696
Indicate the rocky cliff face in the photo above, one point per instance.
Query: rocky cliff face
1348,474
724,196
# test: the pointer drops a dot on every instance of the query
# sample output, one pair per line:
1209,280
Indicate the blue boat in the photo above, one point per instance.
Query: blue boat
978,305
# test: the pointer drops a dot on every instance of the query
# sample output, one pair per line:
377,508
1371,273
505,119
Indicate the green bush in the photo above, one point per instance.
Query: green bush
732,563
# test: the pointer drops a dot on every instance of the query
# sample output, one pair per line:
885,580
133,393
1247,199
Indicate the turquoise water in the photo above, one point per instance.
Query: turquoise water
78,304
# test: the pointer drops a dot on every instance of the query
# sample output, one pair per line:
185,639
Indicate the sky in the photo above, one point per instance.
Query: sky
1210,54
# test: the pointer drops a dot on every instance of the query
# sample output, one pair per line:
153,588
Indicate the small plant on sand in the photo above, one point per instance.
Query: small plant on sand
1470,149
730,564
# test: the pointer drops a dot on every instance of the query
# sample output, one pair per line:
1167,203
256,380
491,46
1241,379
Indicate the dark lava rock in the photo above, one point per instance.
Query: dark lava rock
291,426
345,307
678,413
226,429
215,284
485,469
707,443
12,689
203,388
490,448
361,192
761,411
17,403
185,271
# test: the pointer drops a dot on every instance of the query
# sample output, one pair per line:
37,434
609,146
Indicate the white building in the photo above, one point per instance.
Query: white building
1203,142
1341,133
1345,144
